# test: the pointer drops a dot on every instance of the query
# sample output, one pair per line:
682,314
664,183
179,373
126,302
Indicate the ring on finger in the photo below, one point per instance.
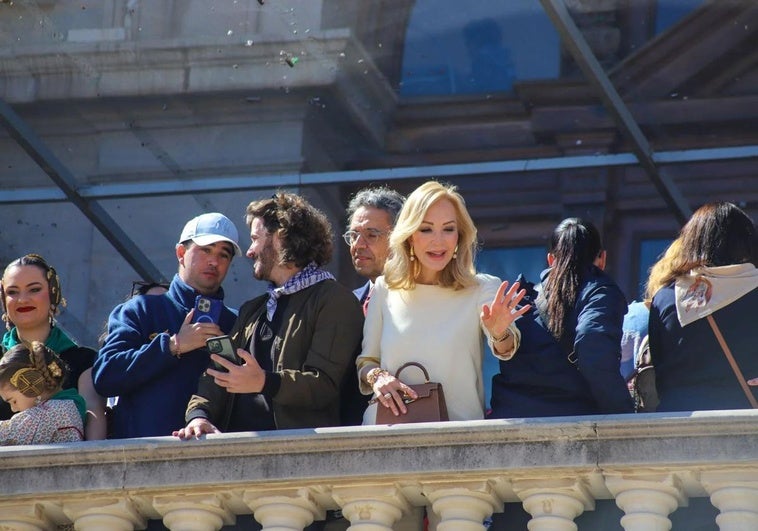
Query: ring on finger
387,396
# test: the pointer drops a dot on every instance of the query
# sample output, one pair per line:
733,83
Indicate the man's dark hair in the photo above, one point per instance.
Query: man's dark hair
382,198
304,231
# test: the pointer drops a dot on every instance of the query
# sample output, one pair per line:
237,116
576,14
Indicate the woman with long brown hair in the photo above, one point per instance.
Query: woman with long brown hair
713,273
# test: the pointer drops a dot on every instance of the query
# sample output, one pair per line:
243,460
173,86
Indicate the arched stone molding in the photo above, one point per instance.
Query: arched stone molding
381,27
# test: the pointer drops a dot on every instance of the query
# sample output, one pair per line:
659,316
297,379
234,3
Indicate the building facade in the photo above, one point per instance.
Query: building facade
125,118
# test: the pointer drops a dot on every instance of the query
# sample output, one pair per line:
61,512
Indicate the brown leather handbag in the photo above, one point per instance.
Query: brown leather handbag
428,407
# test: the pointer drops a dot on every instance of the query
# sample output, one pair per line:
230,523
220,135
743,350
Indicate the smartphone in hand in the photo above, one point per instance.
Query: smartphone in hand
207,310
222,345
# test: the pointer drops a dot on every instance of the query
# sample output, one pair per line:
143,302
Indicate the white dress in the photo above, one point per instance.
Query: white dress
437,327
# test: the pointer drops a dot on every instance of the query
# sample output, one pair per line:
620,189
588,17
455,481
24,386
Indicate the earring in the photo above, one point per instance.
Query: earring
413,255
455,253
38,401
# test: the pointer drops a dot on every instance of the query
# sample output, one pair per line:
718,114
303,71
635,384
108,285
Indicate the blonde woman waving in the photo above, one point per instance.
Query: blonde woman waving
431,307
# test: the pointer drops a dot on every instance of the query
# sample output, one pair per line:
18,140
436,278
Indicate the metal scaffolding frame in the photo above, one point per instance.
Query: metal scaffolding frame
574,41
85,197
61,176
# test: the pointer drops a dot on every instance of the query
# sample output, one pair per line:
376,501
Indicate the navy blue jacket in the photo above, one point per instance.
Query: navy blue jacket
691,371
540,381
135,362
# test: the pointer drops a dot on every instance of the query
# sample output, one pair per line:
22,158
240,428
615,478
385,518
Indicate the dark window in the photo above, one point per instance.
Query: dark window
672,11
477,47
650,251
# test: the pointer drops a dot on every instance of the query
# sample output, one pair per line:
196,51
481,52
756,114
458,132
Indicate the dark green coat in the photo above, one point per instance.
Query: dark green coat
314,349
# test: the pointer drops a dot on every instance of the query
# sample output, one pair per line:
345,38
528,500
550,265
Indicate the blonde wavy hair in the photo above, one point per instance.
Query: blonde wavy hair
662,272
399,271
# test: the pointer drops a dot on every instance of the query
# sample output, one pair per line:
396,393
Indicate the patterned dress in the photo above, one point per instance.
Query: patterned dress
52,421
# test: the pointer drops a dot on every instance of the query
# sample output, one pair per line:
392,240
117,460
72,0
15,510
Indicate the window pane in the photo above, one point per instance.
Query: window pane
650,252
482,48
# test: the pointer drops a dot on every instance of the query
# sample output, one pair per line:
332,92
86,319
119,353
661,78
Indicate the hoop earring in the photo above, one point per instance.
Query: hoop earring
413,255
455,253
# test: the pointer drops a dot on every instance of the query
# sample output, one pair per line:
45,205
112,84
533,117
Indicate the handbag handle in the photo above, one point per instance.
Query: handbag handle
732,362
413,364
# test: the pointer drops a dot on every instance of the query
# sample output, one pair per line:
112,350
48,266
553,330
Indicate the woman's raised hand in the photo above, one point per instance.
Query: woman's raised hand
498,315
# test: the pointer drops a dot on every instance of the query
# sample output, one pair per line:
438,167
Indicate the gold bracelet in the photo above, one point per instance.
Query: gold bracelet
505,336
373,375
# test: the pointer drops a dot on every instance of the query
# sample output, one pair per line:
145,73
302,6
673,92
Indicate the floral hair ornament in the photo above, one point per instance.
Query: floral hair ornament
55,369
28,379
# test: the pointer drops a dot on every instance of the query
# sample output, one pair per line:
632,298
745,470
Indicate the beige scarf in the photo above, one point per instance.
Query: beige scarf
708,289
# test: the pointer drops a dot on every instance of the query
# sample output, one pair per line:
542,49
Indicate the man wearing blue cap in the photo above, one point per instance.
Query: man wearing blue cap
154,353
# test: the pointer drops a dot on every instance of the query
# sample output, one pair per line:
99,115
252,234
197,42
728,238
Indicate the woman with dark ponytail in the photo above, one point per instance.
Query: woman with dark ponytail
31,379
568,360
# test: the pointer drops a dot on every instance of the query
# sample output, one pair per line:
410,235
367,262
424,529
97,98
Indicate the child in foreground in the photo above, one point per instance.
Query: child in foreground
30,381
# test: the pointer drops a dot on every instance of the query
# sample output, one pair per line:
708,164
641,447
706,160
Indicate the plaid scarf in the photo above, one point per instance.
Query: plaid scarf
305,278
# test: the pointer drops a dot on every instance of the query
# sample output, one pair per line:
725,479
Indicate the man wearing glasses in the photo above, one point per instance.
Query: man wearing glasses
371,215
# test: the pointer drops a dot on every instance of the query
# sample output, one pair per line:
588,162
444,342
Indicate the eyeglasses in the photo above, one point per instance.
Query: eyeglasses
370,236
140,287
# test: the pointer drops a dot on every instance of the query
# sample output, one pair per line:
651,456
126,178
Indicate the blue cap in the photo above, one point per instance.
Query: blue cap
210,228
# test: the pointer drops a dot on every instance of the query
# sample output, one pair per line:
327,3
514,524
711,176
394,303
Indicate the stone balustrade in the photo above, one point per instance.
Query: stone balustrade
463,472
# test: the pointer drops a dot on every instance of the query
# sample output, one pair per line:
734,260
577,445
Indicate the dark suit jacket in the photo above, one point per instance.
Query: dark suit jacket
313,354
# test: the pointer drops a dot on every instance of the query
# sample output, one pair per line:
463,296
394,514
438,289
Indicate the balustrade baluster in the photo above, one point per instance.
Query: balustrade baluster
193,512
104,515
735,493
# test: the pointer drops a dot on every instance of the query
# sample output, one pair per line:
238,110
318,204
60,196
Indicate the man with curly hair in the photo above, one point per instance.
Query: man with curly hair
295,343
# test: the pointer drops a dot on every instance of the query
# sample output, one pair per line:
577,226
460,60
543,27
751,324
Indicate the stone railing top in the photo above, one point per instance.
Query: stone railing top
660,441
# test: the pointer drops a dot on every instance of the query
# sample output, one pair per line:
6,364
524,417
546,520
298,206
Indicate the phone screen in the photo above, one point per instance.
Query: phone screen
222,345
